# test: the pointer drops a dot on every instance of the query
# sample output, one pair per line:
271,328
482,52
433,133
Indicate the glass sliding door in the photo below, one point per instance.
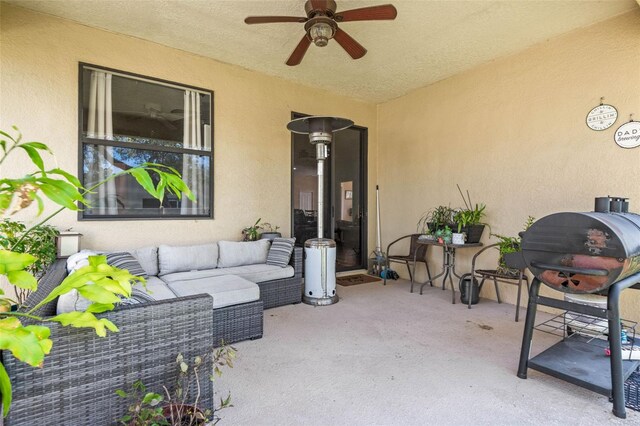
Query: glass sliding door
347,193
344,199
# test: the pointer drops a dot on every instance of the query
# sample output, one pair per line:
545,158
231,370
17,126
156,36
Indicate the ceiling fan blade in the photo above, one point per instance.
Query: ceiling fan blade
353,48
299,51
373,13
273,19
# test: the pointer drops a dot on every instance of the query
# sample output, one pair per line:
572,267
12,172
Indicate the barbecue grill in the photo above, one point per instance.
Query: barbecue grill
592,252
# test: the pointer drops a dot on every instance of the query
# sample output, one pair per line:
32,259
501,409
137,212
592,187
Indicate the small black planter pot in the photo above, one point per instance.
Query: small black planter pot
475,290
270,235
474,233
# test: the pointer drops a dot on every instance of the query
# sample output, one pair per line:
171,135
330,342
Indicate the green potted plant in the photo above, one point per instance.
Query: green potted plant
444,235
507,245
180,405
102,284
269,231
250,233
436,218
469,219
40,242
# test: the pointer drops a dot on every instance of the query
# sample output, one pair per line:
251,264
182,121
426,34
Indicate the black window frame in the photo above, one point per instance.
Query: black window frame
83,140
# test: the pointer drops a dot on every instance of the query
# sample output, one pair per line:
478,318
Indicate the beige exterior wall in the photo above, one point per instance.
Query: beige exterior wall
513,132
39,94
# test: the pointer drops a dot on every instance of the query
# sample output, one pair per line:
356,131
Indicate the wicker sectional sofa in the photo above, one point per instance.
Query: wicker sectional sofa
235,275
77,383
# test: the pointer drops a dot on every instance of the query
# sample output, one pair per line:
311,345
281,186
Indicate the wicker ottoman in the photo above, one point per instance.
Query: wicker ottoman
237,308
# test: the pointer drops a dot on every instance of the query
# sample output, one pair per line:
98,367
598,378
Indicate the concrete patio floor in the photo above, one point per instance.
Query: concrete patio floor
384,356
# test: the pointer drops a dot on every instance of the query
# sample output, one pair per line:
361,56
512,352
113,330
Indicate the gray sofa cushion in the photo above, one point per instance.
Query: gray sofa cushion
148,258
157,289
255,273
187,258
226,290
235,253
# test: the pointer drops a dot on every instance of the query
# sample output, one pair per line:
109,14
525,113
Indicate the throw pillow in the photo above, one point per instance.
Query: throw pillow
78,260
125,260
280,252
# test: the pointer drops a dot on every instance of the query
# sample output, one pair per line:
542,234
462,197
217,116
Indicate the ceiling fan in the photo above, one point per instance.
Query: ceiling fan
321,25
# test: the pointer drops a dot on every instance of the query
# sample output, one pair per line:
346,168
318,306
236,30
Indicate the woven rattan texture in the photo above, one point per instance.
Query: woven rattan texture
286,291
54,276
77,383
236,323
632,391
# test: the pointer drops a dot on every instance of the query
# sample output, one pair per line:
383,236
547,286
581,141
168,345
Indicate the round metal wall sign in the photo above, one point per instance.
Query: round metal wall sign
602,117
628,135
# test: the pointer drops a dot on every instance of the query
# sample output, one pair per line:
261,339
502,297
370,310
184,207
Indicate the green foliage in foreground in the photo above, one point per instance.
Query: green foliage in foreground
102,284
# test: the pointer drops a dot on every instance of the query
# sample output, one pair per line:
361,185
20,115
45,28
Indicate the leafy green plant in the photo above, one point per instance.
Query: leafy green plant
145,408
507,244
99,282
250,233
436,218
444,235
471,214
150,408
41,243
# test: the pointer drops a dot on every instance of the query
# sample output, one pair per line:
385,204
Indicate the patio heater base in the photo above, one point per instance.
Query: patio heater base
320,272
320,301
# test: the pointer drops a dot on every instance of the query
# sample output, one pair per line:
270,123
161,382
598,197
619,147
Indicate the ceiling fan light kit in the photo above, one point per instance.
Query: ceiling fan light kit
321,31
321,25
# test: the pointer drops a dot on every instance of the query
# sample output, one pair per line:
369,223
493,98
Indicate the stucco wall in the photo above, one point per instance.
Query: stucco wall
513,132
39,93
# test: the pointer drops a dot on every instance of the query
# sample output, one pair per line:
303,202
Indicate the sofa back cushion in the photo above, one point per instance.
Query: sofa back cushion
234,253
148,258
187,258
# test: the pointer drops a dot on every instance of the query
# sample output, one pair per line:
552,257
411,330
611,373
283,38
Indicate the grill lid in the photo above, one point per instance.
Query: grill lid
583,252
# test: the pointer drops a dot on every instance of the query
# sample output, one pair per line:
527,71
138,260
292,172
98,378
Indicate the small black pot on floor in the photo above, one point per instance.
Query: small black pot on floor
475,290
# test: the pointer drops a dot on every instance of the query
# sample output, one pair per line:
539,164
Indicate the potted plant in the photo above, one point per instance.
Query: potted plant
99,282
444,235
507,245
269,231
469,219
40,242
436,218
180,406
250,233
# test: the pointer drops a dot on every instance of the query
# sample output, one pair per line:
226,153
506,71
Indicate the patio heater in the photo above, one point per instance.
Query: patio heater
320,253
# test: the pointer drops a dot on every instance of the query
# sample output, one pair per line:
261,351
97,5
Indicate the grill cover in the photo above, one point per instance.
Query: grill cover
583,252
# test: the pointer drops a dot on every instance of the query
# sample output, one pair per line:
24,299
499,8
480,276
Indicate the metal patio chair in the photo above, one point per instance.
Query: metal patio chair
416,251
496,277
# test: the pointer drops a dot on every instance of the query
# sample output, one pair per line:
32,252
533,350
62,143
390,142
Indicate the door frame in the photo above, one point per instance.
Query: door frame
363,188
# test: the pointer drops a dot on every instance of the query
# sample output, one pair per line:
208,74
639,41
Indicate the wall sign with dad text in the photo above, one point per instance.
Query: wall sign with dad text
628,135
602,117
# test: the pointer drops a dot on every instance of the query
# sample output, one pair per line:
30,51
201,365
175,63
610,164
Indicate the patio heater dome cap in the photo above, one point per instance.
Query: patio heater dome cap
318,124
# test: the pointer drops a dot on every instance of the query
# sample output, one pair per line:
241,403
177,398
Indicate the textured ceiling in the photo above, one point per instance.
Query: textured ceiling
428,41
